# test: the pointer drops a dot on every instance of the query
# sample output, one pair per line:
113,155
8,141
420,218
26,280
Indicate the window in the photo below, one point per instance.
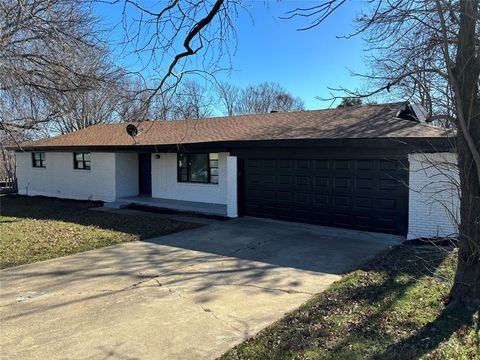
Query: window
81,161
38,159
198,168
213,168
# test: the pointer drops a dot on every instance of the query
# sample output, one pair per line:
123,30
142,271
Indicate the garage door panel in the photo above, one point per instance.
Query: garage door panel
303,198
269,211
341,183
388,184
253,164
302,180
387,224
321,199
365,165
285,164
269,164
284,196
341,164
321,182
363,183
253,209
389,165
321,217
253,194
302,215
342,219
254,179
364,194
364,203
284,212
321,164
269,179
387,204
285,180
268,195
302,164
341,201
364,221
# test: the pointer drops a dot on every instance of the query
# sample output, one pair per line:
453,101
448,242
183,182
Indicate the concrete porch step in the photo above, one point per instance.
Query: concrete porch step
179,205
119,204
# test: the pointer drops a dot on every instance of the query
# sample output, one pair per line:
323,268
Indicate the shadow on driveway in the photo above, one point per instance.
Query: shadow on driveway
193,294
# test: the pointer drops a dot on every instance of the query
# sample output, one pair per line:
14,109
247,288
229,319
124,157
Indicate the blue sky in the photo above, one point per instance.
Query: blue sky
306,63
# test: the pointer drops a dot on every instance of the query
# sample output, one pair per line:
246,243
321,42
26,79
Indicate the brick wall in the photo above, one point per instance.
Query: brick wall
433,195
59,179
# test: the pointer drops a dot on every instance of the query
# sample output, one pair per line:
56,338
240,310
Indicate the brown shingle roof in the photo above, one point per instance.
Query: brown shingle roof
369,121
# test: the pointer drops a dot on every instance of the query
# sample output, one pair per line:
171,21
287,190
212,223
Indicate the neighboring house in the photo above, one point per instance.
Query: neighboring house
348,167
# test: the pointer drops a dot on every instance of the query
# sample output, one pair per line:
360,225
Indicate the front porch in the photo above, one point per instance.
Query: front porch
180,205
155,179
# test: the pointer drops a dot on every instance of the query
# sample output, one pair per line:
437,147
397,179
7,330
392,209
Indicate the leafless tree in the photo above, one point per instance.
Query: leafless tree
191,101
267,97
188,100
430,51
171,34
35,39
132,100
106,102
7,169
160,107
229,96
7,157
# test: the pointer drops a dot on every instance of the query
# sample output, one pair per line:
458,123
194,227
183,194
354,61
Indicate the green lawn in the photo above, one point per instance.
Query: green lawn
36,228
393,308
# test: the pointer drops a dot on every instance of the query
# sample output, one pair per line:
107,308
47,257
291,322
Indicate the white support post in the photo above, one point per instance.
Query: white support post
232,199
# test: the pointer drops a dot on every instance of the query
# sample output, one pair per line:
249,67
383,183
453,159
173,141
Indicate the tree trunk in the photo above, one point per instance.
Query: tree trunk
466,287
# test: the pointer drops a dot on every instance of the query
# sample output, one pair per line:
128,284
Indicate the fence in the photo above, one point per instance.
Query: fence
8,180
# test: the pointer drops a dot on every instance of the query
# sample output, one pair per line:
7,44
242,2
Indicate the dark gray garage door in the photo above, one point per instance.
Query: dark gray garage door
366,194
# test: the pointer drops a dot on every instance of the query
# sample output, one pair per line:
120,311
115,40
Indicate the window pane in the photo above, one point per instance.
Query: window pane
213,156
86,165
80,165
182,174
213,171
214,179
42,155
38,163
86,156
36,156
214,163
78,156
199,167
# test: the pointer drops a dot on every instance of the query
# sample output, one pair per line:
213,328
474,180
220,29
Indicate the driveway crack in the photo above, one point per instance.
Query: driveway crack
288,291
154,277
250,246
216,317
207,310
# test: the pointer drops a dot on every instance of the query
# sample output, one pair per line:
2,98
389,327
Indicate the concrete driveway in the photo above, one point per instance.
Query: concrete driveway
189,295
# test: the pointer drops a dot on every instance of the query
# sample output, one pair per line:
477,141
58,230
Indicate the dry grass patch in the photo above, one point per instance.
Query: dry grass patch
36,228
393,308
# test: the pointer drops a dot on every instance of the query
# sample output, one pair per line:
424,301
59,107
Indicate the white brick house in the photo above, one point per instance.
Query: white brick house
361,167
